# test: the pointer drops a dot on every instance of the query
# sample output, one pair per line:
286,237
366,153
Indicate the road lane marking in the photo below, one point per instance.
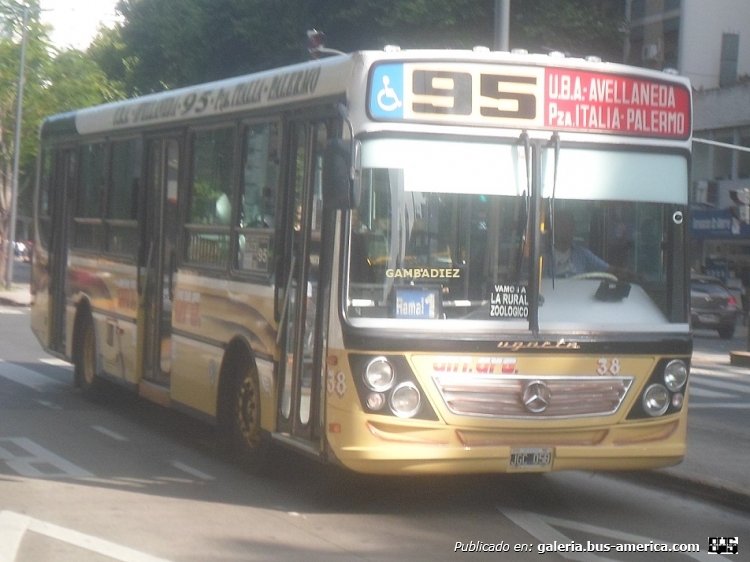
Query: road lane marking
191,471
705,393
724,385
55,362
12,528
48,404
723,370
29,378
722,405
14,525
541,528
109,433
30,459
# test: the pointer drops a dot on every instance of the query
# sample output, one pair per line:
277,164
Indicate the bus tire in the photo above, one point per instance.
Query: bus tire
248,443
85,358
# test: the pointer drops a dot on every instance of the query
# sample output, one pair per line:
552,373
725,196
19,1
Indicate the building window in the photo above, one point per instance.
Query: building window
702,165
723,156
743,158
730,48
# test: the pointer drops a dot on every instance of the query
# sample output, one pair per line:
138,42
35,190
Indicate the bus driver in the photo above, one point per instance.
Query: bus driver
567,258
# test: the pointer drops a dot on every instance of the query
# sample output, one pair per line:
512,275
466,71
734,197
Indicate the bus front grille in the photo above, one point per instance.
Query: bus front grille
532,396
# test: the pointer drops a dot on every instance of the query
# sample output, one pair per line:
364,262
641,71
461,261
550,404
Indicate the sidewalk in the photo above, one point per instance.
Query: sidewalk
715,466
18,295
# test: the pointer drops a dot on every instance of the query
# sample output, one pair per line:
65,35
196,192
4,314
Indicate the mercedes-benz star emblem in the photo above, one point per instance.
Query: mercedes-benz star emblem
536,397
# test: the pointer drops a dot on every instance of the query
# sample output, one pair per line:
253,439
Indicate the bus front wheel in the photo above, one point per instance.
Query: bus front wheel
242,421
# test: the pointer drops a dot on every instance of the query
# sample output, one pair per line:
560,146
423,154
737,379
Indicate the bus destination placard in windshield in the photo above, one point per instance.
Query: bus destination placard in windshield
553,98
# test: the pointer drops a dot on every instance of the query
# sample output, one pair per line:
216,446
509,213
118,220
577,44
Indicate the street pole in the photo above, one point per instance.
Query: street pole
16,155
502,25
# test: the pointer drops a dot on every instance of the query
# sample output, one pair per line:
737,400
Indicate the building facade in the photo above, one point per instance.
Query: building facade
710,43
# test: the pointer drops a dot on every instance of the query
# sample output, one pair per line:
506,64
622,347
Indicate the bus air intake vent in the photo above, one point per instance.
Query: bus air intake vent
532,397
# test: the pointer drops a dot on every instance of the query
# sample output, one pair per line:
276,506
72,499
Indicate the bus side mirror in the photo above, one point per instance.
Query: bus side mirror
340,190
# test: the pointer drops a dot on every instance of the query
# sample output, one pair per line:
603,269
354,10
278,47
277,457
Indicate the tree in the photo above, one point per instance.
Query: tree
14,15
172,43
574,27
54,82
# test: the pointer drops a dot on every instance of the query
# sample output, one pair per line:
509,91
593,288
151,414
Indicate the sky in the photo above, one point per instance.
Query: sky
75,22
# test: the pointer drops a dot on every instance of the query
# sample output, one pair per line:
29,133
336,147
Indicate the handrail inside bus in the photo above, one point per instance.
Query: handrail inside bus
139,284
285,307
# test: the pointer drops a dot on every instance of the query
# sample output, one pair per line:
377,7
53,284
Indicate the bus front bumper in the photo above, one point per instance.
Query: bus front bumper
388,447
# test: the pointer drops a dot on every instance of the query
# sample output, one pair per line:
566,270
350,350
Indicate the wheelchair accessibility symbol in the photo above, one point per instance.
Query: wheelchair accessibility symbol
387,97
386,92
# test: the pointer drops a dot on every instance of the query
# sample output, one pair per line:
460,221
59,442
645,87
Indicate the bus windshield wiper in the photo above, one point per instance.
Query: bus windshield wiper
555,141
524,138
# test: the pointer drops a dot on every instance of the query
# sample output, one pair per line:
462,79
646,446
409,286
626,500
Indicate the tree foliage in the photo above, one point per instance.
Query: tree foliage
12,17
574,27
53,82
171,43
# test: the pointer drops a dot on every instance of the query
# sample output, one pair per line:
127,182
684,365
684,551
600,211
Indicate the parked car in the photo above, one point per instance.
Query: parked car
712,306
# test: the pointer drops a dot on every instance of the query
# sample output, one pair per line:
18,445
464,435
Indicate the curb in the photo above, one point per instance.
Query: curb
8,301
739,358
725,493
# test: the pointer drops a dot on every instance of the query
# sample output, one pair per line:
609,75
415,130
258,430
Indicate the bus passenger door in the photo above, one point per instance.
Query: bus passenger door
157,258
61,188
301,299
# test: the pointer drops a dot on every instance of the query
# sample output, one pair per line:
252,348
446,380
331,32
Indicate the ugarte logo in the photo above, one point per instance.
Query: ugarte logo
516,345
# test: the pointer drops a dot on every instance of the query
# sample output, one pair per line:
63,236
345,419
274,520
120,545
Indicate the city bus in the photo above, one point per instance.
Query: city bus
363,258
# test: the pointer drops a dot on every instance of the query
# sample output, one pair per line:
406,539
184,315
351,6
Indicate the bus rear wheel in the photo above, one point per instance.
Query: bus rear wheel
242,422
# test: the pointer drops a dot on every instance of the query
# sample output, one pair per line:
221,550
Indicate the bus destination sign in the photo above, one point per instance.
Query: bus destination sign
551,98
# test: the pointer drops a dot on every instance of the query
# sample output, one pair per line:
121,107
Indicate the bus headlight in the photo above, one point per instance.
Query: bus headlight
656,400
405,400
663,394
675,375
379,374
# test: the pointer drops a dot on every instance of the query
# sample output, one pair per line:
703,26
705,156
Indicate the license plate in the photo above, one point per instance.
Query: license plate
530,459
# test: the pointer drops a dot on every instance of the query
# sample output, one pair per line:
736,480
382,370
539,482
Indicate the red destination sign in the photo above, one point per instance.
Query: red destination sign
596,102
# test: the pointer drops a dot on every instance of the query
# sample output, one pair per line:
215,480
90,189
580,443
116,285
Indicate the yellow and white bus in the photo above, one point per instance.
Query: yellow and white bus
400,261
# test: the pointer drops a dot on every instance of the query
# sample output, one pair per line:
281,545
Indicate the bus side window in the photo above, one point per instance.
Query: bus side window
258,196
210,198
122,199
88,226
44,206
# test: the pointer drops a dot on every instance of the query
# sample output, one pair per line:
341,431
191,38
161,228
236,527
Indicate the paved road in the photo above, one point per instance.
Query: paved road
718,421
121,479
124,480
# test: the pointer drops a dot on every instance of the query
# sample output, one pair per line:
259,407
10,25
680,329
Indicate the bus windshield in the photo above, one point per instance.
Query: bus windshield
449,231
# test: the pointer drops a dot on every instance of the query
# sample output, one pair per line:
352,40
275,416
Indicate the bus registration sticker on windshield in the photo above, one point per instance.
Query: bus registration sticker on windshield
532,459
